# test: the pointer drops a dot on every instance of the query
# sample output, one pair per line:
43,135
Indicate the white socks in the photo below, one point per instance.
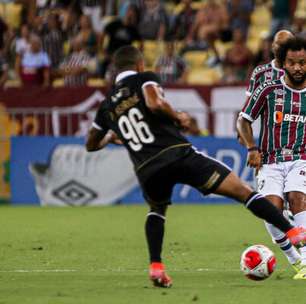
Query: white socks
300,220
283,242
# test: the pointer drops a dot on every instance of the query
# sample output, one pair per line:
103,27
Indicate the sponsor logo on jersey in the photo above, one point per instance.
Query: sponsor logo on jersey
279,92
286,152
296,104
279,101
278,117
295,118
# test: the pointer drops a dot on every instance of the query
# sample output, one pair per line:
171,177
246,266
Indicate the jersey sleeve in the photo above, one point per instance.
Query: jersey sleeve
149,78
252,84
254,104
100,121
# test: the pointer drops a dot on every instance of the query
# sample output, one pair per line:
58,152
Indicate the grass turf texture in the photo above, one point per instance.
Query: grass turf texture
98,255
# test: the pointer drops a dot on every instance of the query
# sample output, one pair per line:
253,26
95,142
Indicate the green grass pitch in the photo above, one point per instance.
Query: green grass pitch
98,255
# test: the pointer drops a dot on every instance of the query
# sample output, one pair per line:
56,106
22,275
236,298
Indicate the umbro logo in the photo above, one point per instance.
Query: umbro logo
74,193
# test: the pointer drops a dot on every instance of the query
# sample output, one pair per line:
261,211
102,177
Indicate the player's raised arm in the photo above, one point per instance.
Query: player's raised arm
157,103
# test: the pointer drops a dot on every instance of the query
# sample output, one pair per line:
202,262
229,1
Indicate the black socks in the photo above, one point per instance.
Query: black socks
154,228
264,209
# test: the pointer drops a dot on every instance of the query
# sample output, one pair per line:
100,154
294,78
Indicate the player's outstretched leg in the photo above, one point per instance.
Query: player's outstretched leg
290,252
280,238
155,233
297,202
234,188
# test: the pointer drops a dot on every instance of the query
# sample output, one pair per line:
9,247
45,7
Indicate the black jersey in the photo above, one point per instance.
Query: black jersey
153,140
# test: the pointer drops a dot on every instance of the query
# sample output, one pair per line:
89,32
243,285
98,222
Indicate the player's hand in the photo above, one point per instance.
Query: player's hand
113,138
184,120
254,160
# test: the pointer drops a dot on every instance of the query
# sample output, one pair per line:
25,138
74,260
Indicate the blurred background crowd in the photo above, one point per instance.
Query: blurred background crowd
71,43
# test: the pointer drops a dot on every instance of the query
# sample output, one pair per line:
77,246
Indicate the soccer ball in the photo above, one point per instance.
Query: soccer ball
257,262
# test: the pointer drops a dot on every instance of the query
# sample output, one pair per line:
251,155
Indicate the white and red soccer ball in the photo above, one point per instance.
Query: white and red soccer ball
257,262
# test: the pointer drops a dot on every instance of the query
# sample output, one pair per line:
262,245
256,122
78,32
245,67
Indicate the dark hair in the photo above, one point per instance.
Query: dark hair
126,57
293,44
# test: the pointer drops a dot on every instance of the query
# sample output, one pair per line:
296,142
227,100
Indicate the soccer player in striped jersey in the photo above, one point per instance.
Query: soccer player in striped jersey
272,70
262,73
269,71
281,156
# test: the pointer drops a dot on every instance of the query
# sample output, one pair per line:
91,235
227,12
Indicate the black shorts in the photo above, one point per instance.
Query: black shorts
195,169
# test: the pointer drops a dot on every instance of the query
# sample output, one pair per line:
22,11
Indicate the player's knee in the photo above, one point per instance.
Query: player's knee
297,202
160,210
234,187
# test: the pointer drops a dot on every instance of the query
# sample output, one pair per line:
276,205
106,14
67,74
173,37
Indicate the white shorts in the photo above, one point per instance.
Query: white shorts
277,179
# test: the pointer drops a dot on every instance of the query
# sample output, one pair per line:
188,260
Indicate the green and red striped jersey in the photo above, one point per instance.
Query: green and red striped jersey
263,73
283,120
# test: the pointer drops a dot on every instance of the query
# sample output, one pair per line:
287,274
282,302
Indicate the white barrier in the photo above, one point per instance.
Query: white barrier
76,177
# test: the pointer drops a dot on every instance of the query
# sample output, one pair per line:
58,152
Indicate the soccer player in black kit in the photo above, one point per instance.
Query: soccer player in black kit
136,113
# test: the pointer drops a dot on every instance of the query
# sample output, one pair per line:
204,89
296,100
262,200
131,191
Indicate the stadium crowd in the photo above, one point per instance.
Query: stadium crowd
72,42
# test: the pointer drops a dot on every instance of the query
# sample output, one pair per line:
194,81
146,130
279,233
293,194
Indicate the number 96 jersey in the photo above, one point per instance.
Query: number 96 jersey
153,140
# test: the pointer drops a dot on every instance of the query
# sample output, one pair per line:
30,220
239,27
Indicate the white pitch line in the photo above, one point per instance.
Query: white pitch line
38,270
118,270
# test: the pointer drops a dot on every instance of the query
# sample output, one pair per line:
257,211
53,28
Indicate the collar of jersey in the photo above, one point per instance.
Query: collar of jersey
124,74
292,89
274,67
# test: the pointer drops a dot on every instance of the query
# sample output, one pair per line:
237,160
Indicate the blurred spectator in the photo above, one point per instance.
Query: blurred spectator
238,59
53,40
280,11
110,76
70,24
3,68
299,24
23,41
38,25
42,7
153,23
210,21
35,65
74,68
22,45
183,20
240,14
171,67
264,53
120,32
96,10
88,35
3,31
